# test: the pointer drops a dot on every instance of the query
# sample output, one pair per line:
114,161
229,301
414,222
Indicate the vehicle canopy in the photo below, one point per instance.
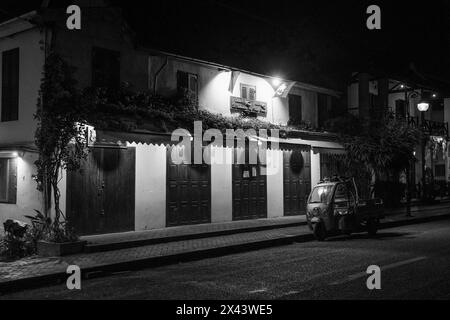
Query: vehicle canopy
324,190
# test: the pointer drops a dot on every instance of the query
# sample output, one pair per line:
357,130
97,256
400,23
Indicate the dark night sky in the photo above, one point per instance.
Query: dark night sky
319,41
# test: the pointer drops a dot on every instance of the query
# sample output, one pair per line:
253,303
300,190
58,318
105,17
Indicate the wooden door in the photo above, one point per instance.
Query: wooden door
101,195
249,192
188,193
296,181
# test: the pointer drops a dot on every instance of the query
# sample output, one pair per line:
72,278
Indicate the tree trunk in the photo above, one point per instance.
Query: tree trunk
408,190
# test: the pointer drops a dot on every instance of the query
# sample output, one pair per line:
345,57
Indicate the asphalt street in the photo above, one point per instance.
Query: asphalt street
414,262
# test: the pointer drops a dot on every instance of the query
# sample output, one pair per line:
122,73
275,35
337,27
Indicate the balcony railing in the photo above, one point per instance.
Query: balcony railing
429,127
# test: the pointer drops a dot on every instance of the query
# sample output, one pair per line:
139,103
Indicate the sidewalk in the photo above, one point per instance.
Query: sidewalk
35,271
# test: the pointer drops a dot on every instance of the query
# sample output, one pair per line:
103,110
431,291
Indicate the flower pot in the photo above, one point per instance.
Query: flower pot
52,249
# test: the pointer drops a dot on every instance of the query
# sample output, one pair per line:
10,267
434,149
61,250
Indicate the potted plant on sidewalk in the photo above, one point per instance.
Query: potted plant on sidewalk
53,239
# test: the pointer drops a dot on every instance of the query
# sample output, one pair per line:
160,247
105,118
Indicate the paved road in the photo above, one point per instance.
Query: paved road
415,263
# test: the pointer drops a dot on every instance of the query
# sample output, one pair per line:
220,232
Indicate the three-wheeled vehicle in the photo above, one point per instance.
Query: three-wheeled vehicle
334,207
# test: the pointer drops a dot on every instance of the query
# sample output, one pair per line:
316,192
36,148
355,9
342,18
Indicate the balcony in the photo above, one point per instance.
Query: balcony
428,127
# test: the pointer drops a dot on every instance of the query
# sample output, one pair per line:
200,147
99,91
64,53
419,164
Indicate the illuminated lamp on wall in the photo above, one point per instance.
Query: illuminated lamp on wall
11,154
281,89
276,82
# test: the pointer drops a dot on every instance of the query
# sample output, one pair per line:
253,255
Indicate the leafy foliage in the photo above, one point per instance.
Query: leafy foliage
383,148
380,149
128,110
61,131
346,125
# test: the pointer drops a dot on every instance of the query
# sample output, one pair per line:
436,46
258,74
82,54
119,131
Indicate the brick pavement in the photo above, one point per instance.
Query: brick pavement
37,266
21,271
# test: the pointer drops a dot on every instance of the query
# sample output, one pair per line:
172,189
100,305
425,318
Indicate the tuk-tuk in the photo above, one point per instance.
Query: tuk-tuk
333,208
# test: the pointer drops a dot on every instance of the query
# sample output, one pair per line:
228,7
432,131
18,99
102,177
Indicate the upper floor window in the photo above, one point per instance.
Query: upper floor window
105,68
187,83
8,180
400,108
324,108
248,92
10,85
295,109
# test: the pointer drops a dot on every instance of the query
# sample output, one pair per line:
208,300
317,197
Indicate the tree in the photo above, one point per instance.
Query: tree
375,151
60,135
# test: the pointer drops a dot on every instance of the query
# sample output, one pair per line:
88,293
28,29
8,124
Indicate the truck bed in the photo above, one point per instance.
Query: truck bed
371,207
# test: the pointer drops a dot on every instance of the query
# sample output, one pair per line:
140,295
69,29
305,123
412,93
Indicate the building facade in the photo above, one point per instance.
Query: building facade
130,180
403,99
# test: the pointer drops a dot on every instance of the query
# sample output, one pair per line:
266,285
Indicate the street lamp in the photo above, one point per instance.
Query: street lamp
423,107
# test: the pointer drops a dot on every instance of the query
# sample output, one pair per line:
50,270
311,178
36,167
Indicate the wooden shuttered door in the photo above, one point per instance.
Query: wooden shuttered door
10,85
101,196
296,180
331,165
249,189
188,193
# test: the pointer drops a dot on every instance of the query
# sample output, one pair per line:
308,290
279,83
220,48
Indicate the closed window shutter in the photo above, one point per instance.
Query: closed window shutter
252,94
182,81
243,92
10,85
12,185
295,108
193,83
105,68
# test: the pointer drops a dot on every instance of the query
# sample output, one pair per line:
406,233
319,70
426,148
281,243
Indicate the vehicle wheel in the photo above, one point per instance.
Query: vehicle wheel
372,227
319,231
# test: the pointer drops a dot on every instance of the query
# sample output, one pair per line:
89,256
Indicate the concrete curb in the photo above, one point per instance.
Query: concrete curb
90,248
104,270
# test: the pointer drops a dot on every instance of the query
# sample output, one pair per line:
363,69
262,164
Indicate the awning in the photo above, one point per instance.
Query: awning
316,145
122,138
21,146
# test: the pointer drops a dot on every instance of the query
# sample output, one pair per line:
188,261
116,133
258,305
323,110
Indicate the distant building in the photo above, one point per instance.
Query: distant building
400,97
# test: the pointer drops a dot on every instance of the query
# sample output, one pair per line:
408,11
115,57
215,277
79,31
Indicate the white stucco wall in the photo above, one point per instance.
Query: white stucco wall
150,196
28,197
214,94
30,73
315,167
275,193
221,185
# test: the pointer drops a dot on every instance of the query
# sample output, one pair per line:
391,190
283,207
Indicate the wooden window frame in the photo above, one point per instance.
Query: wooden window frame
247,88
11,182
188,87
299,112
116,55
10,85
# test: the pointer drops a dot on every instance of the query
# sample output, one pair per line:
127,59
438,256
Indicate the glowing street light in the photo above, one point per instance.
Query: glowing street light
423,106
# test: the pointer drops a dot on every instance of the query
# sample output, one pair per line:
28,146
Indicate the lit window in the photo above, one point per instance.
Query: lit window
248,92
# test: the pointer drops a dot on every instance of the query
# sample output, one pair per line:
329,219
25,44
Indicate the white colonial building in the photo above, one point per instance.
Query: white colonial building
130,181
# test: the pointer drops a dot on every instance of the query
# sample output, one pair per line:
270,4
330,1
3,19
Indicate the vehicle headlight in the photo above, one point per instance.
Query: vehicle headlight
341,212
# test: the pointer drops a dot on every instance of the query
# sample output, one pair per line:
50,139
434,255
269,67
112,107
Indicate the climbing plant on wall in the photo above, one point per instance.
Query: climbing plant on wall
60,135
